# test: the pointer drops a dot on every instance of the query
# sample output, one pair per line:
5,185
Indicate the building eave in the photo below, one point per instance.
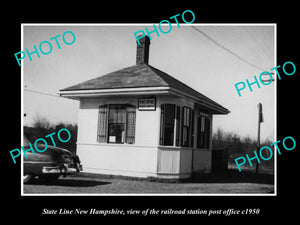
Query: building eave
214,108
77,94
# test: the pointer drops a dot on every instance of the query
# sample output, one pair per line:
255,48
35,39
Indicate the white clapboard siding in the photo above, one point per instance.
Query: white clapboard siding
174,162
147,128
126,160
87,122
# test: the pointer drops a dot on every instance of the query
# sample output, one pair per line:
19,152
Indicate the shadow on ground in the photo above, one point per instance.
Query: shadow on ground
71,182
232,176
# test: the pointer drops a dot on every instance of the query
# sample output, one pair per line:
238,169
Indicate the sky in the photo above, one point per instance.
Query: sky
183,53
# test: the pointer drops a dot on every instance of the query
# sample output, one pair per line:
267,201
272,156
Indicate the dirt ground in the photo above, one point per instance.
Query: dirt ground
229,183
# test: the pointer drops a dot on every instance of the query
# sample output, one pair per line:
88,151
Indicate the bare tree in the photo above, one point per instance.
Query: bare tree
41,122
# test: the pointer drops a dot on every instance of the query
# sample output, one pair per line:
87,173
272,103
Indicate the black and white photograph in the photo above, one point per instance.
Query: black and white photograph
149,112
139,112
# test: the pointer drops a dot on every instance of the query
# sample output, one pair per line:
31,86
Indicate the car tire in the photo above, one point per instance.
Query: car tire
50,178
28,178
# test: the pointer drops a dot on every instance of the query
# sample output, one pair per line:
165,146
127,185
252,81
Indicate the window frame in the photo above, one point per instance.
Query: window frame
183,120
163,125
186,125
103,128
204,136
123,107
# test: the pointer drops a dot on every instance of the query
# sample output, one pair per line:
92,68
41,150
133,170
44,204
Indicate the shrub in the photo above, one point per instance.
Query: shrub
239,146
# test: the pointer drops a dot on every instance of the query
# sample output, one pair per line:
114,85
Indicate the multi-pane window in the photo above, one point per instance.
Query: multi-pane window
176,122
167,124
116,124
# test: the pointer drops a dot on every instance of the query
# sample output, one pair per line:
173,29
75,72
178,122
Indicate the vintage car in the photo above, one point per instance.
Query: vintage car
50,164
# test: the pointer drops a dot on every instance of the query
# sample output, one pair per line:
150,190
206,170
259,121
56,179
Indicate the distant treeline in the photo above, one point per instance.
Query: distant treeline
239,146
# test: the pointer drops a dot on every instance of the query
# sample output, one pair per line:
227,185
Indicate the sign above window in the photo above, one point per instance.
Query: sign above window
147,104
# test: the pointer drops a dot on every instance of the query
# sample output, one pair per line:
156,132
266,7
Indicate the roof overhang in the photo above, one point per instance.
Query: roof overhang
77,94
212,107
205,103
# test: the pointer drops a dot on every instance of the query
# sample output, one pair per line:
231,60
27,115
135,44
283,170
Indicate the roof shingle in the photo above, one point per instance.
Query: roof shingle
139,75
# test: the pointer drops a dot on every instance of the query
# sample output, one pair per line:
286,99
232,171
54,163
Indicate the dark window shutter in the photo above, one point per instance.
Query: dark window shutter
131,115
207,132
186,127
192,129
102,124
178,128
162,125
199,132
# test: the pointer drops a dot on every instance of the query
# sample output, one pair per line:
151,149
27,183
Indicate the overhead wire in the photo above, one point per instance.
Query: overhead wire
42,93
227,49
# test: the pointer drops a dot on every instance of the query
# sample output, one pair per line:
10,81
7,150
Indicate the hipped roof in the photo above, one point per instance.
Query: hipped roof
142,75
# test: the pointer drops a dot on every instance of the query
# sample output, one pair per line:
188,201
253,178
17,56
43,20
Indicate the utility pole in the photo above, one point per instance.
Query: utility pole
260,120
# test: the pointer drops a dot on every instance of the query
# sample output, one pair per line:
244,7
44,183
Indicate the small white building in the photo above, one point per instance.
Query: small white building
141,122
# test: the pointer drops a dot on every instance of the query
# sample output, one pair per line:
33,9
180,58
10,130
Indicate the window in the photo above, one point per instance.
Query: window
186,126
116,124
176,122
178,125
203,132
167,124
